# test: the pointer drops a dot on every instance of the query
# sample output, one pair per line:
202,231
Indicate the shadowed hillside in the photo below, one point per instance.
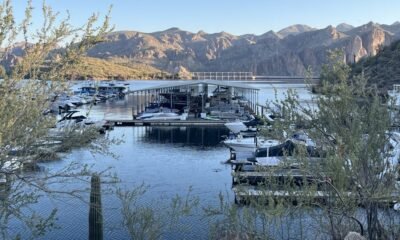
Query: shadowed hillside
382,69
95,68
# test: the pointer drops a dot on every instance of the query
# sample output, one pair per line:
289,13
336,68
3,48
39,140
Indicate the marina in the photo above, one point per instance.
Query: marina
164,120
151,155
195,149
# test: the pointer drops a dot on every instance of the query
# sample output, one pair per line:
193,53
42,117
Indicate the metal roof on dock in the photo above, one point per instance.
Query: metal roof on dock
184,83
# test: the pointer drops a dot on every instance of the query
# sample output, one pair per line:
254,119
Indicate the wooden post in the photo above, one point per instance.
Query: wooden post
141,102
258,112
171,99
252,100
134,108
95,211
262,111
145,99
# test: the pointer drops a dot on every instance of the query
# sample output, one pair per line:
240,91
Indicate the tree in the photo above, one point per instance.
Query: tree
22,104
351,124
333,73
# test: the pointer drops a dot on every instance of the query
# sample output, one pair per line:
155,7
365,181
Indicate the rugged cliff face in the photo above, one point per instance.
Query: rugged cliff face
287,52
382,69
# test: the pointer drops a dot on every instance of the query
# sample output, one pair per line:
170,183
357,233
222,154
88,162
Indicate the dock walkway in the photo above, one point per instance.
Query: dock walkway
189,122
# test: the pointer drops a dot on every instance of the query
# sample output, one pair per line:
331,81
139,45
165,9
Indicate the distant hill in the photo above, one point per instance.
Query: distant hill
287,52
382,69
99,69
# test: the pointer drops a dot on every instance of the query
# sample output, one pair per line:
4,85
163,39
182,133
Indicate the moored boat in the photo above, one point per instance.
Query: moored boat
241,144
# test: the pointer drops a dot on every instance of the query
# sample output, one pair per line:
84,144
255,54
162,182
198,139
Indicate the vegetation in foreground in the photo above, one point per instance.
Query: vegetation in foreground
22,120
351,124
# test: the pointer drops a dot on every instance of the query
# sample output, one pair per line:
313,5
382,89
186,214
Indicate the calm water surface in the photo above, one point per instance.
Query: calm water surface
169,160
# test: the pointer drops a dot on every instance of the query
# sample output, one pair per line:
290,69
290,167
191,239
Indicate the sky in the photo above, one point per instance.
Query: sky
233,16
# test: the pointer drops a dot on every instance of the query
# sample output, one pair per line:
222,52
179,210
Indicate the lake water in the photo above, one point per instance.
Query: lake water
169,160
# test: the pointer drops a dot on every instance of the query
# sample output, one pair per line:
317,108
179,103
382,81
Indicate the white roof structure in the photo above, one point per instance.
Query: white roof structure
183,83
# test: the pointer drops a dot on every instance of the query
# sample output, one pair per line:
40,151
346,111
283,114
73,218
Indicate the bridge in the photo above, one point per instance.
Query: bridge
246,76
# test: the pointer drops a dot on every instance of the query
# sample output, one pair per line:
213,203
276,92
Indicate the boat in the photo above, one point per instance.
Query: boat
303,139
151,112
244,128
61,103
166,116
285,149
241,144
73,120
236,127
107,89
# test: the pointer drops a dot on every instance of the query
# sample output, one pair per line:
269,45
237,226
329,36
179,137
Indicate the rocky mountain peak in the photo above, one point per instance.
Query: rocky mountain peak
122,35
344,27
199,36
294,30
370,26
224,34
171,30
271,35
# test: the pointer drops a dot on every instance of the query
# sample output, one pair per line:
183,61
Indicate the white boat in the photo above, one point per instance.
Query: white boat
73,120
302,138
241,144
166,116
61,104
236,127
269,116
158,112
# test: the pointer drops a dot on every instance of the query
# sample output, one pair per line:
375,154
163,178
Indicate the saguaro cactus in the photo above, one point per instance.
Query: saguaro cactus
95,211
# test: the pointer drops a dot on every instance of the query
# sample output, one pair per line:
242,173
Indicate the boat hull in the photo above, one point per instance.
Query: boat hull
249,144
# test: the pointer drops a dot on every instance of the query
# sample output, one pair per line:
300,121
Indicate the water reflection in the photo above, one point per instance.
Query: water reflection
187,136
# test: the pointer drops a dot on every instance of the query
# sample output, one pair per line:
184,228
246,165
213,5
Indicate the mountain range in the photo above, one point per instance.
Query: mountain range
289,51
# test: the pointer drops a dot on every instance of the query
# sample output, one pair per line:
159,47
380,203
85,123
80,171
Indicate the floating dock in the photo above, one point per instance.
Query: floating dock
195,95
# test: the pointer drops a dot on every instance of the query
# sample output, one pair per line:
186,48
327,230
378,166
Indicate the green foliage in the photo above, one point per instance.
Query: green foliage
150,222
22,104
350,123
335,72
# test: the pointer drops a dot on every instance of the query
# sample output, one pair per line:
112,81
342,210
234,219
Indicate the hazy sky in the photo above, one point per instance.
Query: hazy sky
233,16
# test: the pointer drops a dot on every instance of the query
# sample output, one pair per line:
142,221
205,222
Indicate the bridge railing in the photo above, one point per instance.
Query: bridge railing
243,76
224,76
